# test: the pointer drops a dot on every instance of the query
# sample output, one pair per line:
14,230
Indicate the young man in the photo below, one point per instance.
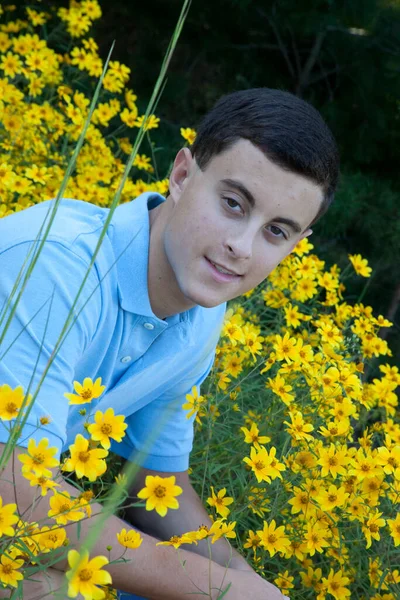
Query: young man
263,169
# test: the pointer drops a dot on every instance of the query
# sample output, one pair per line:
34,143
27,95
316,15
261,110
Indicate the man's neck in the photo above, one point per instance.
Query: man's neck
166,299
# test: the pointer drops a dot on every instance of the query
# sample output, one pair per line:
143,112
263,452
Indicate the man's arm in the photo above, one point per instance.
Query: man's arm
190,515
152,571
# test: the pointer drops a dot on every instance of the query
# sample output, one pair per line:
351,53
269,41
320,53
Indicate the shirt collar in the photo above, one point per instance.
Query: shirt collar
130,234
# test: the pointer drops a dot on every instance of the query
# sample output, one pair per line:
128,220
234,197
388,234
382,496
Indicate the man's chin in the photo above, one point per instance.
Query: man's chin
205,301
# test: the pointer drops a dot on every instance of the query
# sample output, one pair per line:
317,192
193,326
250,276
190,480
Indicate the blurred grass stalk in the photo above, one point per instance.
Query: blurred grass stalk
34,253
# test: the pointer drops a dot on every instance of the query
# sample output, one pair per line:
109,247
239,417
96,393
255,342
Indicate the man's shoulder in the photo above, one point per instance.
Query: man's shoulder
71,219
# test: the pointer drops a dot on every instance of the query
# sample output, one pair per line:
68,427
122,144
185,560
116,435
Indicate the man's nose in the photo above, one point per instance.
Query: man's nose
240,246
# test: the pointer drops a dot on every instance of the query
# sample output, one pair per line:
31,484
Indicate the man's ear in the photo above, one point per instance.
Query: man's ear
180,173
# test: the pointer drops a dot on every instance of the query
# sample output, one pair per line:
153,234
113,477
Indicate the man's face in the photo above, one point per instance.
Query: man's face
242,214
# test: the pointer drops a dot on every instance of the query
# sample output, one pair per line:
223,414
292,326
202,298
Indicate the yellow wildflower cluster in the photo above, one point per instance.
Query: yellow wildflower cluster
325,439
42,112
21,542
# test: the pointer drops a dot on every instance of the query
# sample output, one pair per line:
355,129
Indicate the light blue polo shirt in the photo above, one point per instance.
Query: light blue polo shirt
148,365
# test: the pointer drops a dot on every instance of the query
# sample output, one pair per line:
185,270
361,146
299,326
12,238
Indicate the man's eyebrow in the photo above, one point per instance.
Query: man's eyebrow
242,189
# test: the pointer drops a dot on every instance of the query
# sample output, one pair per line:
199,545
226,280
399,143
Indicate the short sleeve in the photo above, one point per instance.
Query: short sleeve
159,435
35,328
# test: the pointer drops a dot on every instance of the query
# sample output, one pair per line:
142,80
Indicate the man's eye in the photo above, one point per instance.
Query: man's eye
277,231
232,203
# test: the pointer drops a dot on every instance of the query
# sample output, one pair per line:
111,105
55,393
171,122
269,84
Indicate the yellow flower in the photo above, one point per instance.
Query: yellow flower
233,331
394,526
273,538
194,402
151,123
11,64
253,541
130,99
281,389
51,538
39,459
86,462
264,465
333,497
285,347
252,435
292,315
11,401
284,581
252,341
316,538
364,465
371,527
160,494
330,334
221,529
107,426
334,429
86,391
335,584
86,575
7,518
303,247
333,460
45,483
298,428
129,539
188,134
63,508
9,574
177,540
300,501
303,460
389,460
360,265
219,502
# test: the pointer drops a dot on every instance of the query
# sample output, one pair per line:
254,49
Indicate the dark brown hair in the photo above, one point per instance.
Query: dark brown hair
288,130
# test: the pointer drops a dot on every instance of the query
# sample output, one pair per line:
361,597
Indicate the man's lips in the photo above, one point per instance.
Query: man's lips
230,271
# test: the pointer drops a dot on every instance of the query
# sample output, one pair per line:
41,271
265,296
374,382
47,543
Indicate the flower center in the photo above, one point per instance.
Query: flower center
86,394
271,538
11,408
7,569
38,459
84,456
259,465
334,585
85,575
106,428
160,491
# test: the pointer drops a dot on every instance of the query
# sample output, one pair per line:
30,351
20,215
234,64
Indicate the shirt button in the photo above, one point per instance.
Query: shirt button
148,326
126,359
